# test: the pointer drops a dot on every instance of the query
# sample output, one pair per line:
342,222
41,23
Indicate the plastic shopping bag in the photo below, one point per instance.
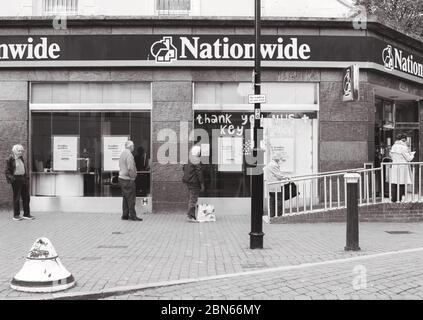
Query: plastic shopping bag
205,213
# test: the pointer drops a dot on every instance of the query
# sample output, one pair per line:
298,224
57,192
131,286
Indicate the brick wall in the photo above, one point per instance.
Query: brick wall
387,212
13,123
346,129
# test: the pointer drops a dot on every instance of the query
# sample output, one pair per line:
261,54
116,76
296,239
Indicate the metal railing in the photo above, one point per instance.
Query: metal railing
326,191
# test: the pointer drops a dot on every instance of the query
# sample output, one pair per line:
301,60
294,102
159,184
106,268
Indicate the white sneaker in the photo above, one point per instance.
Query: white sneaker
17,218
28,217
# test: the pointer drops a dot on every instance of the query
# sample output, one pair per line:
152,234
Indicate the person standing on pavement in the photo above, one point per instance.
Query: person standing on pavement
274,174
400,174
17,175
127,176
194,180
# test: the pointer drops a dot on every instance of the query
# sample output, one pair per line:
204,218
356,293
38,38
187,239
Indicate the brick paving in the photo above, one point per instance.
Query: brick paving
397,277
104,252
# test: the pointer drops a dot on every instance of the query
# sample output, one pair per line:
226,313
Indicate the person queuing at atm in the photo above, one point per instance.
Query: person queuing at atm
194,180
17,175
127,175
400,173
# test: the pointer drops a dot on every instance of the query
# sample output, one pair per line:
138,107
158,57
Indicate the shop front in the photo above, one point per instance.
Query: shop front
74,97
290,127
78,131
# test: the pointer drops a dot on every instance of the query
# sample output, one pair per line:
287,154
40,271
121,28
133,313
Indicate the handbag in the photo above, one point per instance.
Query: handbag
291,186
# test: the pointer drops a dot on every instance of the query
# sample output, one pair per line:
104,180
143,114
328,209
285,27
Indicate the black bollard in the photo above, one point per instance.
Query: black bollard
352,211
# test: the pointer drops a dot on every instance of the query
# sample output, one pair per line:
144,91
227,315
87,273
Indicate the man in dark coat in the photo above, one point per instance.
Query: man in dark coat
194,180
17,175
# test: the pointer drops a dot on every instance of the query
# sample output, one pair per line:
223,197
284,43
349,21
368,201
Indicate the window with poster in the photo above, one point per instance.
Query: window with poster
77,136
223,155
230,137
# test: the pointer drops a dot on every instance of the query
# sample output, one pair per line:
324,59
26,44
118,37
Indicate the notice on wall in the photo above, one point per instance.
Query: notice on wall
285,147
205,149
65,153
230,154
113,146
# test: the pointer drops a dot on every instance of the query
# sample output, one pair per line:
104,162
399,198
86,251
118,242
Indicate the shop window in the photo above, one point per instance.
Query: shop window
277,93
85,92
173,6
229,143
406,111
71,154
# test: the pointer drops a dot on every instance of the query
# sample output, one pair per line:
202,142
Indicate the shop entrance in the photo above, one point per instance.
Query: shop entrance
392,118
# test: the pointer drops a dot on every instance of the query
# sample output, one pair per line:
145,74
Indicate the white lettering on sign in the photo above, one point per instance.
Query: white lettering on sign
394,58
28,51
222,49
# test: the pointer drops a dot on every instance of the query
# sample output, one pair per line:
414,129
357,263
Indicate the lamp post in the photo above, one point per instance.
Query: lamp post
256,234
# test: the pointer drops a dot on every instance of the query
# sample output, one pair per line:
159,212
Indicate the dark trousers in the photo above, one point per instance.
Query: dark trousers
394,192
129,196
272,202
194,193
20,190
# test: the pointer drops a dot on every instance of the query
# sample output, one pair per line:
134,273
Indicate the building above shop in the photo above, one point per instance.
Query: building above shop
299,8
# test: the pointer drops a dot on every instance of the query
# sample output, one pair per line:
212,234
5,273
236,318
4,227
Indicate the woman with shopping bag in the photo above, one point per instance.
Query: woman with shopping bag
400,173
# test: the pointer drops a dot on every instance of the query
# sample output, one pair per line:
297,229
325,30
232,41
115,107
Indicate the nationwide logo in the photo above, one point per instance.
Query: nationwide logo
346,83
396,59
30,50
192,48
388,58
164,50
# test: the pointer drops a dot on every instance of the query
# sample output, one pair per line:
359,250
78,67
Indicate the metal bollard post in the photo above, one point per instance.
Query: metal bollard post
352,211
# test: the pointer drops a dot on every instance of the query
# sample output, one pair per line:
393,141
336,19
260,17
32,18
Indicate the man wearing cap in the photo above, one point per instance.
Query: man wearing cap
274,174
127,175
17,176
194,180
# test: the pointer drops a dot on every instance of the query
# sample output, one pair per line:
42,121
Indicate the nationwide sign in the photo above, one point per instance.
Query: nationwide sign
350,84
200,50
396,59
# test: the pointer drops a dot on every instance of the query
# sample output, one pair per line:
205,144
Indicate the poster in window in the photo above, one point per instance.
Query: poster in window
230,154
65,153
113,146
285,146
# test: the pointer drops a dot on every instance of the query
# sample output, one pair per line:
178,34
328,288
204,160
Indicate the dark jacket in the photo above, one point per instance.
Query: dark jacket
193,175
10,169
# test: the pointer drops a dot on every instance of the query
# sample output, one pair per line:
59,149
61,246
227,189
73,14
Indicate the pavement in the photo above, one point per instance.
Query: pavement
116,259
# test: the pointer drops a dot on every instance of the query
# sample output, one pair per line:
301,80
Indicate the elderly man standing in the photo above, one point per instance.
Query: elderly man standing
194,180
127,175
273,172
17,176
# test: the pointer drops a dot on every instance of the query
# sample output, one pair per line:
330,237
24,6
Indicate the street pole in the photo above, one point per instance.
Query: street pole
256,234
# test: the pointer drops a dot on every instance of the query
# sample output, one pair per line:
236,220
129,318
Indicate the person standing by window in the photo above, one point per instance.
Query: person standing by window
17,176
400,174
127,175
194,180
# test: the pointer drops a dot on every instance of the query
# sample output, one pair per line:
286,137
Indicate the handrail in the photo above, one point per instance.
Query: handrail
322,174
323,191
